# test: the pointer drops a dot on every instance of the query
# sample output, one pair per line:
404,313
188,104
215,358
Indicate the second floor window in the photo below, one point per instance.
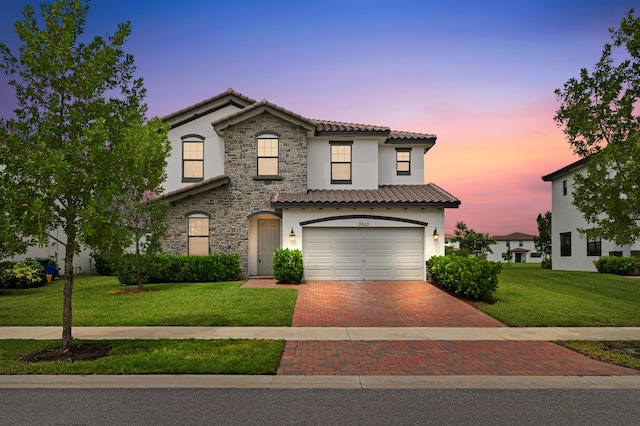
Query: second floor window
268,157
565,244
192,160
403,162
564,187
340,162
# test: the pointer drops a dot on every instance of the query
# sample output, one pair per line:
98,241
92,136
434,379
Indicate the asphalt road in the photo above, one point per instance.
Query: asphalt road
318,407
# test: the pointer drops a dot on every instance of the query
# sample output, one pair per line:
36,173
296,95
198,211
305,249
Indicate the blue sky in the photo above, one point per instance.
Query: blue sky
480,75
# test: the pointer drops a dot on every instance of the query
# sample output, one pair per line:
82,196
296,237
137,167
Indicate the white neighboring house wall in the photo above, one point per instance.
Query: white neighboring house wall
522,247
577,255
82,263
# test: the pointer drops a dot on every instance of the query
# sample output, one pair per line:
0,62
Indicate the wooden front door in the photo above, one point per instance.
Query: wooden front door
268,243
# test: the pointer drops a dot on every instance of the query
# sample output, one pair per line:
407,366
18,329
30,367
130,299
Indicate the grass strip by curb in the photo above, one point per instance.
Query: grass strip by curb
233,356
611,352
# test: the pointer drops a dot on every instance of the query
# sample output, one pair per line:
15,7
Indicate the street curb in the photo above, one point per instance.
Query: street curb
317,382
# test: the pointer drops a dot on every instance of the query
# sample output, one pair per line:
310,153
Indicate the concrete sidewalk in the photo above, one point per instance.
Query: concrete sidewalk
330,333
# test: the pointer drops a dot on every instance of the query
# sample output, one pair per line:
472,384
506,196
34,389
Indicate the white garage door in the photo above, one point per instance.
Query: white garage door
363,253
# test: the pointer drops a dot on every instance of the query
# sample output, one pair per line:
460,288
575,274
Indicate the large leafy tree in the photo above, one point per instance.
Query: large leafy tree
599,113
471,242
542,241
78,139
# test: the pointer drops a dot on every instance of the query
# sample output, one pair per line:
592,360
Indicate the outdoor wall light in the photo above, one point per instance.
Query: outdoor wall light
292,235
436,236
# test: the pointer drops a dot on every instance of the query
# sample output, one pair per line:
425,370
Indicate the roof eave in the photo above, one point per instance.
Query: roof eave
195,189
221,126
329,204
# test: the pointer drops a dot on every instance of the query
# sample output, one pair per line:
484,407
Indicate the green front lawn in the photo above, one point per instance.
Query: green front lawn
202,304
151,357
531,296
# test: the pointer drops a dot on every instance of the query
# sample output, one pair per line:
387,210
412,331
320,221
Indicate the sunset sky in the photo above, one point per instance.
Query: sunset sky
478,74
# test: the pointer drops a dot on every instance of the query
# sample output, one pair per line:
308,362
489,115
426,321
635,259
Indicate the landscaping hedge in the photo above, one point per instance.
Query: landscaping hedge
28,273
288,266
468,276
617,265
173,268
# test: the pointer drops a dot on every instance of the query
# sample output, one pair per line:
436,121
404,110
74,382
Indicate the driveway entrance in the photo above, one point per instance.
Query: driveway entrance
383,304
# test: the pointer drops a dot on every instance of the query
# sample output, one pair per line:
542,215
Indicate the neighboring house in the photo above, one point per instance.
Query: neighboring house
251,177
449,242
82,262
521,245
570,249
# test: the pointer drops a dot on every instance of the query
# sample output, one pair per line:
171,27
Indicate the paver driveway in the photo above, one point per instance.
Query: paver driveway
383,304
414,304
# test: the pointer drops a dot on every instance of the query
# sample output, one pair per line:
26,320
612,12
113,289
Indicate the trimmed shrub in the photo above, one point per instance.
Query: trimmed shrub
472,277
288,267
174,268
546,264
104,265
617,265
28,273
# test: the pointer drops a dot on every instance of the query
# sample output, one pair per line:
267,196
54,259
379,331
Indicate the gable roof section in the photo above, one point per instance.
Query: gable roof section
429,195
249,108
195,188
514,236
258,108
566,170
230,97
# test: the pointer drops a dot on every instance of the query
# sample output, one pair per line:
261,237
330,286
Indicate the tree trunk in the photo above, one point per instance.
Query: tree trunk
68,290
138,266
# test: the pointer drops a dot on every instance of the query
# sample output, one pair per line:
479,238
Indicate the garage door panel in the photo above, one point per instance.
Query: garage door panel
363,253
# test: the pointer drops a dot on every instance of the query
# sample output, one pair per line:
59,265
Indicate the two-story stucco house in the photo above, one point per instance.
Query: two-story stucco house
571,250
251,177
522,247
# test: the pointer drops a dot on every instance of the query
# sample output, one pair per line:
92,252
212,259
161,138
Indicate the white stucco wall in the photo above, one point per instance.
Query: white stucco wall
364,164
82,262
387,174
501,247
566,218
291,219
213,148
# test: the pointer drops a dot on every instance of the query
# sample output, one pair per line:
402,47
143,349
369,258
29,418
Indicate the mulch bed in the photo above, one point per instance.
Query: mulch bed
88,352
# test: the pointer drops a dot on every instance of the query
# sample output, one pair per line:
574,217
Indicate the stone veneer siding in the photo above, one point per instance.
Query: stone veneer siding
230,205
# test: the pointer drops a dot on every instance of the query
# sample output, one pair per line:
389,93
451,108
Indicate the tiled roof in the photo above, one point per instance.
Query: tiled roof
515,236
250,107
195,188
386,195
520,250
228,93
339,127
257,108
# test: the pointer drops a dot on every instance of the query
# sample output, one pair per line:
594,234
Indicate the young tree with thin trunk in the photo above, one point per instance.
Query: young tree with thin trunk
599,114
542,241
78,138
